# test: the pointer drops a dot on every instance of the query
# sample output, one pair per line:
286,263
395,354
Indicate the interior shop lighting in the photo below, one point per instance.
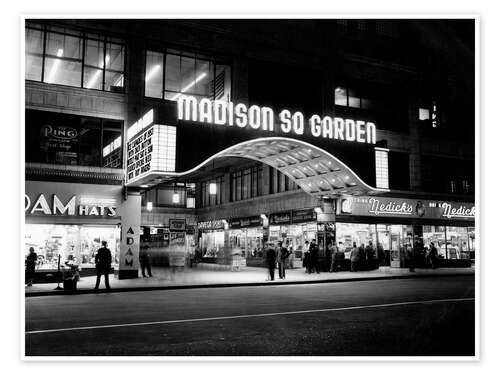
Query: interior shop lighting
318,210
194,82
212,188
57,62
97,74
152,72
149,206
176,198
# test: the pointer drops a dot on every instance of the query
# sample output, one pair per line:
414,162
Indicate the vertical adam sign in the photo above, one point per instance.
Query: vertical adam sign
130,237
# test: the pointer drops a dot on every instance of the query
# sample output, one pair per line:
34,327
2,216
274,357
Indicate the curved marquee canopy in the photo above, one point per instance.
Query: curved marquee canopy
316,171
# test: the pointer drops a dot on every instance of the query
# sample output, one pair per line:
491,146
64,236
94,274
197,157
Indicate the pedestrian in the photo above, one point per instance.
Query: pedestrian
283,255
380,254
334,254
370,256
410,258
354,258
145,261
307,258
432,257
271,260
30,266
103,265
313,250
362,257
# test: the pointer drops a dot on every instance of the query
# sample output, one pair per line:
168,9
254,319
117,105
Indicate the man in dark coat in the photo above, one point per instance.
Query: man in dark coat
313,249
30,266
103,265
283,255
271,260
145,261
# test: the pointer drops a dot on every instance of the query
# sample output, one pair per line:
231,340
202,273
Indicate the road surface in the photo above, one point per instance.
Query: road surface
426,316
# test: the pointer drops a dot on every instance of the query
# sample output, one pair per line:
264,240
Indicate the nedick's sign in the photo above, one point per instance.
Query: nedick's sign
396,207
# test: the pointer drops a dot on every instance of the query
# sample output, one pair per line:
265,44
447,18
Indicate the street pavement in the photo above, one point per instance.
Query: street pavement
413,317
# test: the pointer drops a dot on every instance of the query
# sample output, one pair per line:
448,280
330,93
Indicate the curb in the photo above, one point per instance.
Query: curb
227,285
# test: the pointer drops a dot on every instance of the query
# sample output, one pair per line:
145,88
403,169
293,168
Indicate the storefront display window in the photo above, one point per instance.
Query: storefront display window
350,235
435,234
74,243
247,242
212,243
471,234
456,243
294,236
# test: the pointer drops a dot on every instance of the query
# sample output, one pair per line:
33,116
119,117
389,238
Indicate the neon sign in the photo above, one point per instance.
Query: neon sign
42,206
395,208
255,117
461,212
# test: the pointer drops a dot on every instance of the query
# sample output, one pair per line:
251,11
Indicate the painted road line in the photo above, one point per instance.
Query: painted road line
251,315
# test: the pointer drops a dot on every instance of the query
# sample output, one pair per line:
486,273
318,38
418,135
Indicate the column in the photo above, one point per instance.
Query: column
130,213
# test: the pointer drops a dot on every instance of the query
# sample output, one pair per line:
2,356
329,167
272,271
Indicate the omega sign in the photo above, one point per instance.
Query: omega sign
55,206
256,117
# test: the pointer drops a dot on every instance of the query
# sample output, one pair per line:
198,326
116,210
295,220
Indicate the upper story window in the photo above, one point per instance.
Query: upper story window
169,75
58,138
71,58
349,97
246,183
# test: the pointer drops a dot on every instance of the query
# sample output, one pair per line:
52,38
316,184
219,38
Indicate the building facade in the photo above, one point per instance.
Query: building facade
223,135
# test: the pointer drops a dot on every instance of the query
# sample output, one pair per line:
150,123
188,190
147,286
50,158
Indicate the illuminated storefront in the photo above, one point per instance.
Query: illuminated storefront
67,223
398,226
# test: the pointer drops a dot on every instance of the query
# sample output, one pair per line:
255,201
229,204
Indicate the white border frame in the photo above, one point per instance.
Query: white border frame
269,15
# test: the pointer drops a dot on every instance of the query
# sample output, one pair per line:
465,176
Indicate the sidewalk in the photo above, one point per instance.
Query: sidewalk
165,278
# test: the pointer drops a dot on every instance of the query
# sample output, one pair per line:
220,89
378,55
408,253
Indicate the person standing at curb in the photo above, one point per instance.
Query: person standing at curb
334,255
283,255
271,260
145,261
433,256
103,265
313,249
30,266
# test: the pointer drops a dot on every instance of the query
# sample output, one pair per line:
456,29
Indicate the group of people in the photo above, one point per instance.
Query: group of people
280,255
311,257
362,257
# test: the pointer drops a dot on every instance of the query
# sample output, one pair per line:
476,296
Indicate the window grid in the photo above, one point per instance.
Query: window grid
217,75
382,169
100,73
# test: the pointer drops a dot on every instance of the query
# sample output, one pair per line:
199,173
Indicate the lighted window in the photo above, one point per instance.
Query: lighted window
190,202
73,59
382,168
341,96
172,74
154,72
56,138
348,97
423,114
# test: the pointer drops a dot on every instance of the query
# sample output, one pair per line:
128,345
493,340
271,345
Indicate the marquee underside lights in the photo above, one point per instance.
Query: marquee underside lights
265,119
